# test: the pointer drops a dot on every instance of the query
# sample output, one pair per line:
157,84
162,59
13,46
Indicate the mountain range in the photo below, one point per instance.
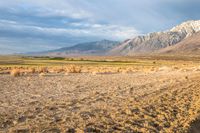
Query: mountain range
181,39
89,48
154,42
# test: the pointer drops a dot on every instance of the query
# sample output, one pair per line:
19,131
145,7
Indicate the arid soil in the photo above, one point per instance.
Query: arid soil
162,101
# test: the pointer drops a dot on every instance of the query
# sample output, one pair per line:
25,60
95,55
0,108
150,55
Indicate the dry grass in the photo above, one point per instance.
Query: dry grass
74,69
160,97
15,72
32,70
42,74
97,69
43,70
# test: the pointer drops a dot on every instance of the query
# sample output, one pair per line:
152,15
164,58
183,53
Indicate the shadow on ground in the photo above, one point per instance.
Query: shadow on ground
195,127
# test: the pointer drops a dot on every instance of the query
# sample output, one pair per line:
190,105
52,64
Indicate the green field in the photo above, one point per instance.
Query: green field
55,61
12,61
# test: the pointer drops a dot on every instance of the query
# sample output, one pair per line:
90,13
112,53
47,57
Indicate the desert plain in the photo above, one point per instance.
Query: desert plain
97,95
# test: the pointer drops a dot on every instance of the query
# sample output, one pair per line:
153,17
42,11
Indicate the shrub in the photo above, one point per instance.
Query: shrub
32,70
73,69
57,58
43,70
94,73
78,70
42,74
15,72
66,73
59,70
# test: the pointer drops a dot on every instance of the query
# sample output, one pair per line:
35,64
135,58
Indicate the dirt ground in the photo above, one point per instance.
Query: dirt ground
136,102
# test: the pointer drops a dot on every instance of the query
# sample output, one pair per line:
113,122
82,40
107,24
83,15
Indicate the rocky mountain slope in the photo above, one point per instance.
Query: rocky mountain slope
188,46
155,41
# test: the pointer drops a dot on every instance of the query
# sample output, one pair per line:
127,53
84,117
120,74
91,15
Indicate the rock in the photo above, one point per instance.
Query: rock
53,130
22,119
22,131
7,124
71,130
92,130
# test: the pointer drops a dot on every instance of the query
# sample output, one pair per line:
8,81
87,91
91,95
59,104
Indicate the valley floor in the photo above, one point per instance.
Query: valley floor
136,102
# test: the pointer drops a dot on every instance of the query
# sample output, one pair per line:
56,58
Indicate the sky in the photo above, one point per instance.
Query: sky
40,25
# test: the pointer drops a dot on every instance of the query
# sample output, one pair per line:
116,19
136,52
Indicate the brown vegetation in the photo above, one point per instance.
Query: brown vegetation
15,72
156,97
136,102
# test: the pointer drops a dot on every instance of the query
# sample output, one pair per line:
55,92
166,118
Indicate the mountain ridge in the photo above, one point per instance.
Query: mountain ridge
88,48
189,46
144,44
152,42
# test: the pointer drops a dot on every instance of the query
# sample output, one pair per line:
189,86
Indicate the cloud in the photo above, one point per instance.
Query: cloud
48,23
93,30
45,8
63,18
39,38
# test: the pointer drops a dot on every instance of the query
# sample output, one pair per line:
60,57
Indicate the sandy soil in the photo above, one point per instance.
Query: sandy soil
137,102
